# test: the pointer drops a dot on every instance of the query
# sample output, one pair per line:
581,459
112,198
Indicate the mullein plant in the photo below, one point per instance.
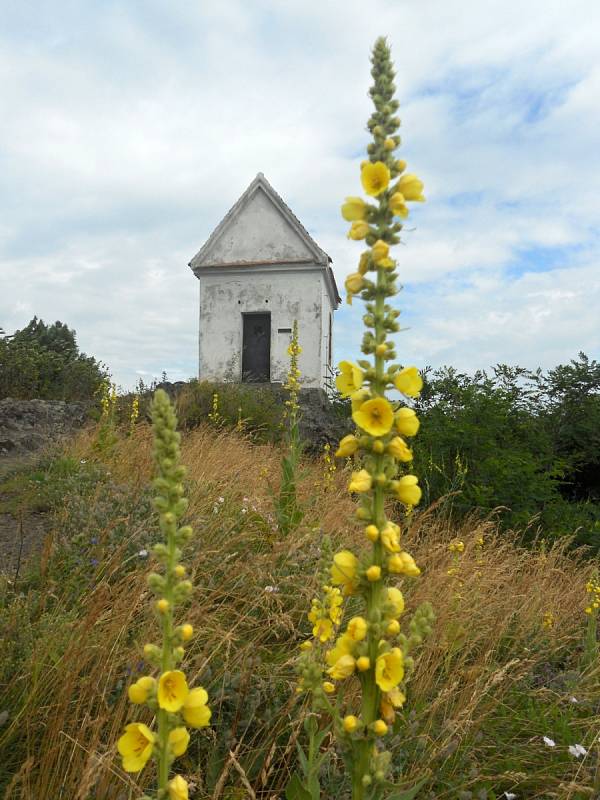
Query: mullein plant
289,513
372,651
592,609
134,413
107,436
175,706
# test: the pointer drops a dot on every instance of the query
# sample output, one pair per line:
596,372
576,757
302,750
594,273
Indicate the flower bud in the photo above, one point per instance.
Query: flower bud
162,606
379,727
152,652
350,723
184,534
373,573
186,632
363,663
372,533
156,582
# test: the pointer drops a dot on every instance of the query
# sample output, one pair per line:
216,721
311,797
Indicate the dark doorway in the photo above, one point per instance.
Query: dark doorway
256,348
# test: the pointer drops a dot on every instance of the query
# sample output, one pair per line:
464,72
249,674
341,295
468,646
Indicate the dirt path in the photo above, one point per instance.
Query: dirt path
21,535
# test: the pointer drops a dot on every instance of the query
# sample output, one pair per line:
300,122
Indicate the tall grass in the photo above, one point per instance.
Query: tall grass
489,684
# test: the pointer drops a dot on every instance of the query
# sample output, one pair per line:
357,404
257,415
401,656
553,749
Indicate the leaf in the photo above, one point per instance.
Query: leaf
295,790
406,794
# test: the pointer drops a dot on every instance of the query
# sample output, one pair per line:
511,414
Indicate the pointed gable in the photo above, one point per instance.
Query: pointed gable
259,229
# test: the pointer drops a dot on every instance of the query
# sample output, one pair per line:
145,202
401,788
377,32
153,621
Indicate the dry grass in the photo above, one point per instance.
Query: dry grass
68,701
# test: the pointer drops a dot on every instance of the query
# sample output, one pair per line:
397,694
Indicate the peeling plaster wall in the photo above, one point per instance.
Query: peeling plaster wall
288,293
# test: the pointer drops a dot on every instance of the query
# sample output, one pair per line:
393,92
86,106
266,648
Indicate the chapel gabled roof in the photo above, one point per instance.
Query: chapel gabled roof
218,251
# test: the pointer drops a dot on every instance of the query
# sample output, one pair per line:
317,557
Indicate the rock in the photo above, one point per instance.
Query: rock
28,425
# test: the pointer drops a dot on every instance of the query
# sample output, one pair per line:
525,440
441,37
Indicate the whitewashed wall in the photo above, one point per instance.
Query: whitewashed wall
287,293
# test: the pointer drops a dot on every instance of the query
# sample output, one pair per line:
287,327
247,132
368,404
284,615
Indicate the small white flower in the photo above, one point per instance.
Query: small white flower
510,796
271,589
244,499
83,461
577,750
548,741
244,510
573,700
215,509
143,554
221,500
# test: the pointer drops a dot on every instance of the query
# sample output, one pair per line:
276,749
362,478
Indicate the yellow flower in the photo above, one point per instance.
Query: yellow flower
390,537
398,205
373,573
409,381
140,690
178,741
407,422
380,251
389,669
178,788
412,188
172,690
403,564
343,668
375,416
361,481
387,263
396,697
407,490
364,262
358,398
328,687
363,663
389,144
354,209
348,446
135,746
358,230
399,449
195,711
162,605
357,629
353,284
349,380
179,570
380,728
343,570
375,177
394,603
323,630
344,646
350,723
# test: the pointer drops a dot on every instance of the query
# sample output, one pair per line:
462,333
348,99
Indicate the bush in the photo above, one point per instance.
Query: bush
43,362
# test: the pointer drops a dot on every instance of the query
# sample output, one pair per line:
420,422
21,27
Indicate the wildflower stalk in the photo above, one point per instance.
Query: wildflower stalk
168,697
590,652
289,514
372,647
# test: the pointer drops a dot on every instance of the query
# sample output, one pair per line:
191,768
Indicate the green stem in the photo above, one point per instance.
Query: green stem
166,665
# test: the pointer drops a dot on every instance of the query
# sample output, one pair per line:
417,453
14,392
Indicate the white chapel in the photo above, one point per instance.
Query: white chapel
258,272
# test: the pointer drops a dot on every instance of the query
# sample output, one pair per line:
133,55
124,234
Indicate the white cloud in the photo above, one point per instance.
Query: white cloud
125,135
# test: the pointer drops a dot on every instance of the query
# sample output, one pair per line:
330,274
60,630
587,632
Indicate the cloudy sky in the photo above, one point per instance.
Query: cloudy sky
128,128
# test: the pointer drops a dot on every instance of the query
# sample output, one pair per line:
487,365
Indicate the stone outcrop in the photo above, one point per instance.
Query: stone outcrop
28,425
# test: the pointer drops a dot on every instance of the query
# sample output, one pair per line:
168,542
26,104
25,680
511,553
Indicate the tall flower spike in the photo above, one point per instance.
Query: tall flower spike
169,695
372,650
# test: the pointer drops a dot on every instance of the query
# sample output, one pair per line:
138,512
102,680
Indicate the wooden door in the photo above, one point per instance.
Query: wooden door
256,348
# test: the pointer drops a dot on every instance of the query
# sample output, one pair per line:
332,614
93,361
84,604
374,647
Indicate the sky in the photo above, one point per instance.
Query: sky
128,129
